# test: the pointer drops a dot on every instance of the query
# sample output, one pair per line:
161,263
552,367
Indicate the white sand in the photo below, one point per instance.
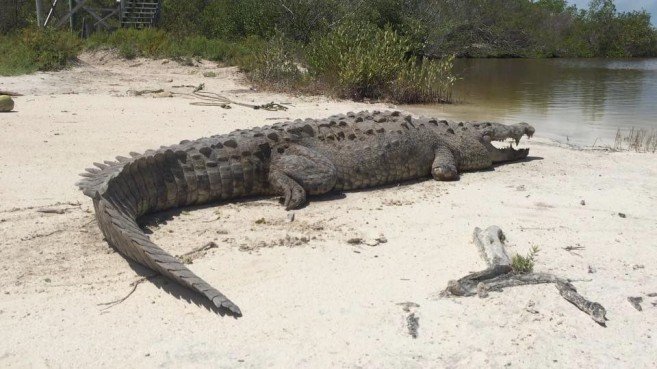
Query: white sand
323,303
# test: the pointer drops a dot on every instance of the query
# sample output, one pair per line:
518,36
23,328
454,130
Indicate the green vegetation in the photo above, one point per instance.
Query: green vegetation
524,264
155,43
365,61
466,28
400,50
32,50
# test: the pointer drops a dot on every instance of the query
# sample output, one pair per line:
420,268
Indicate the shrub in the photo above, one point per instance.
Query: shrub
364,61
424,80
524,264
271,62
33,50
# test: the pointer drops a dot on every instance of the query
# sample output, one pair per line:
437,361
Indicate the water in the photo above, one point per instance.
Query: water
581,101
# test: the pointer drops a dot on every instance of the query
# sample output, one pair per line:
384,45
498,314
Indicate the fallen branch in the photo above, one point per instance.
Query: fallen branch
500,275
214,99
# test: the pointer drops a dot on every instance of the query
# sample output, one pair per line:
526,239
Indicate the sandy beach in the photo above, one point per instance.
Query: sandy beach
310,298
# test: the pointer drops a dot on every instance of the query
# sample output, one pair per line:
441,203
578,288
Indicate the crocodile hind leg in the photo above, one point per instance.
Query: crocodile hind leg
296,171
444,166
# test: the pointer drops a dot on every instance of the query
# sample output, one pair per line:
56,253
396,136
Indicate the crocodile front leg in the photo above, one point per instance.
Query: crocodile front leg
297,170
444,166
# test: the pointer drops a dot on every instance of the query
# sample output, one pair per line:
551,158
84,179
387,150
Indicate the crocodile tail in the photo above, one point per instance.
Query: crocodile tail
95,180
122,231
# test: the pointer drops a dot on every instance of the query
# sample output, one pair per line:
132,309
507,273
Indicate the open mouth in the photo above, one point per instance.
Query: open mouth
500,142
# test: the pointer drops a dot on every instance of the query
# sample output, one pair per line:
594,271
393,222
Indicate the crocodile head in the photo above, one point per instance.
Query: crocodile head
488,132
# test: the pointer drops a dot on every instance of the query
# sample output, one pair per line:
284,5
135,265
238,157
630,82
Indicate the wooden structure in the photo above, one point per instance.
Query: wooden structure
139,13
102,14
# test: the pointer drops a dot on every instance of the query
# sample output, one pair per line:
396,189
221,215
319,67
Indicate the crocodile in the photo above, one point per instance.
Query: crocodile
291,159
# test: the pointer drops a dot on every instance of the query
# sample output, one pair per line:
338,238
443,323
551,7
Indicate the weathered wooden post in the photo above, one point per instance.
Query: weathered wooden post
39,13
70,9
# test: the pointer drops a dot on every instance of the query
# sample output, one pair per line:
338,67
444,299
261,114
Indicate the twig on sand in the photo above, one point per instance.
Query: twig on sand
207,246
41,235
134,285
571,249
186,256
52,211
500,275
189,257
143,92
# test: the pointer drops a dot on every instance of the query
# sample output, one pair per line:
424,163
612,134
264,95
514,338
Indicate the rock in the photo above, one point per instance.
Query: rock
622,215
6,103
290,217
372,242
163,94
355,241
636,302
582,202
530,307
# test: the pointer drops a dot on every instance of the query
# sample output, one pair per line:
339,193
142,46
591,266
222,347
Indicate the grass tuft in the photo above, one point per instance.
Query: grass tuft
155,43
639,140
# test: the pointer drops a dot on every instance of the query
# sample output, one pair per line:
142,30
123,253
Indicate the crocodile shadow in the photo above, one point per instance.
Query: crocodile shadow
176,290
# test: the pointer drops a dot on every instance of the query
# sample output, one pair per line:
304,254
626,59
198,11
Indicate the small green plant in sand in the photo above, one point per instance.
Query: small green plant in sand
524,264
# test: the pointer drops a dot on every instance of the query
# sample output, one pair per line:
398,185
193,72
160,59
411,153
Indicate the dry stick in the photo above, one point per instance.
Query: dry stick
143,92
207,246
59,211
500,275
42,235
52,211
134,284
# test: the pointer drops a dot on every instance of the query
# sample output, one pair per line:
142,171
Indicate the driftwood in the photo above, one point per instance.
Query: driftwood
500,275
10,93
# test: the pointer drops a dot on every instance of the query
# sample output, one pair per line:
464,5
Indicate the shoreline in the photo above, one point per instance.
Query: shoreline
309,297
